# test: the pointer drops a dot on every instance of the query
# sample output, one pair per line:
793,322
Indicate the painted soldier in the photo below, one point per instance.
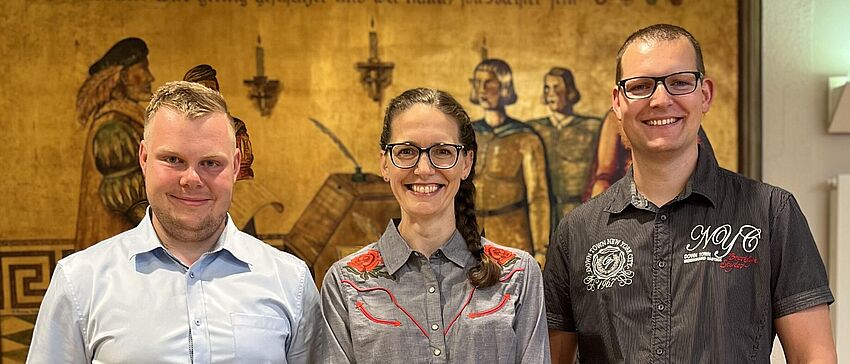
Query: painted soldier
512,198
570,140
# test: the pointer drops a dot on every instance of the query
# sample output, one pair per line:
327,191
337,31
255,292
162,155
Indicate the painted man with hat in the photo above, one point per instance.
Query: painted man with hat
110,106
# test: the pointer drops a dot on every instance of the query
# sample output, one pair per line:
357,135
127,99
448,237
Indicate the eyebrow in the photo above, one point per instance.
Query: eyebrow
164,150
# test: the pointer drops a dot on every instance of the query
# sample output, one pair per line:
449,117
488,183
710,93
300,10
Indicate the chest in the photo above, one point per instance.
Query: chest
674,251
204,315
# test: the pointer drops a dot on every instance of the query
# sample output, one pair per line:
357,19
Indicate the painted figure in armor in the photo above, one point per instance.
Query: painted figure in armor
111,105
570,140
512,198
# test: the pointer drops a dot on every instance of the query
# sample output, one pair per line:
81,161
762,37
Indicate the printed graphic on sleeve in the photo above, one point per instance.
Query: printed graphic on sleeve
607,263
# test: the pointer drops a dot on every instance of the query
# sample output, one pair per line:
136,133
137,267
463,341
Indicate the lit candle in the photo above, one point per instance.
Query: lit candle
373,45
260,68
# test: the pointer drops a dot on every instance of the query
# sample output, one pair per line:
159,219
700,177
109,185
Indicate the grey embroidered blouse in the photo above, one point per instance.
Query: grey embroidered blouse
389,304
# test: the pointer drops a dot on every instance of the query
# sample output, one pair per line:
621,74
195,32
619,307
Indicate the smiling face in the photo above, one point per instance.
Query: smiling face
190,167
424,191
661,124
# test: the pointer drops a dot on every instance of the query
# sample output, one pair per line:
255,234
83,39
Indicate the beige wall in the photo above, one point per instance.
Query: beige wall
804,42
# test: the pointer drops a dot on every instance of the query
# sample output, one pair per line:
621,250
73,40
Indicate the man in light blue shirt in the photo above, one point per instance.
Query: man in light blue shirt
185,285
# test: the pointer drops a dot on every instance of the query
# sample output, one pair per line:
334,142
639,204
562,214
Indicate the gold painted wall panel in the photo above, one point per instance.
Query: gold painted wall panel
48,47
311,47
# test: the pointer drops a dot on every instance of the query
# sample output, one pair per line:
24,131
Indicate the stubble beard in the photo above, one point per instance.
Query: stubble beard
180,231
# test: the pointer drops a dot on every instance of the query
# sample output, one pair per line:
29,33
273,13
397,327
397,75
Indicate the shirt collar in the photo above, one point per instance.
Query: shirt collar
148,240
701,182
395,252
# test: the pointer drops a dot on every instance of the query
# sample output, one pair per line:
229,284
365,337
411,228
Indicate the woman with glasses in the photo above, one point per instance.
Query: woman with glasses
431,289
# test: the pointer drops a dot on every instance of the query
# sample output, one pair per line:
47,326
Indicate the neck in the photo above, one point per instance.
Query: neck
494,117
426,235
187,252
661,178
561,118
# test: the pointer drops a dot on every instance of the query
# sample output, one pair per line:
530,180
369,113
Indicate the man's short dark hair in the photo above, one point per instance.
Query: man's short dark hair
660,32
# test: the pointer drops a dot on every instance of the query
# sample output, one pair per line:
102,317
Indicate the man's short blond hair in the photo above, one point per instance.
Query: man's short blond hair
190,99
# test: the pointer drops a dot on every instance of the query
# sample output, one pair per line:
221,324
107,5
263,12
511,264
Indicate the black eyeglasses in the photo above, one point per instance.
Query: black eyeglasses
406,155
679,83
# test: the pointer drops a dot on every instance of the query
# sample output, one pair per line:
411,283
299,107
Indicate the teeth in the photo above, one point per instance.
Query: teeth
659,122
424,188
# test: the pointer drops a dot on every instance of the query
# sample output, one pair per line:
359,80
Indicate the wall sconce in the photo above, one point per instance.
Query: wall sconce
838,112
263,91
374,74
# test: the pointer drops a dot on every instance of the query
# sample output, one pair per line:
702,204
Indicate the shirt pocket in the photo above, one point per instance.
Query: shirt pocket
259,338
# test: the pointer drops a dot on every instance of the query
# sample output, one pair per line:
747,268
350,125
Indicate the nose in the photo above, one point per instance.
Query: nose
423,165
660,98
190,178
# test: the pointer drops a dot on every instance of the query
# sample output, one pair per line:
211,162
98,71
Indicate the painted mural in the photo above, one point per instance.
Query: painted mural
308,81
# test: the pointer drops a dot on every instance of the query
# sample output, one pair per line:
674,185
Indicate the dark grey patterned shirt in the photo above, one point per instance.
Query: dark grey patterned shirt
698,280
389,304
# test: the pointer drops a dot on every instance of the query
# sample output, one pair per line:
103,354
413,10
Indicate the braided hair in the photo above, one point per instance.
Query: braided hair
486,273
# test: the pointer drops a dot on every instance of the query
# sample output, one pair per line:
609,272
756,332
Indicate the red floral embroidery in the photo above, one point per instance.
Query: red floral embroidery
368,264
499,255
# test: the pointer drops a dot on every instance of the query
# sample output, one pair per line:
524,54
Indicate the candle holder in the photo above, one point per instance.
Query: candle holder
375,75
263,91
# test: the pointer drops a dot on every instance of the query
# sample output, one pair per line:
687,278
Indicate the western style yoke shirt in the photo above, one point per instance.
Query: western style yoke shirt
127,300
698,280
390,304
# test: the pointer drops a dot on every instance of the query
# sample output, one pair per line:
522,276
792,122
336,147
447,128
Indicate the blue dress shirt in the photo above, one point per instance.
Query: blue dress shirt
127,300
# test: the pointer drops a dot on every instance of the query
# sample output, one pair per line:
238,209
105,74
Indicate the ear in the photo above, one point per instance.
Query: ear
143,156
615,102
237,160
573,96
707,90
385,168
467,163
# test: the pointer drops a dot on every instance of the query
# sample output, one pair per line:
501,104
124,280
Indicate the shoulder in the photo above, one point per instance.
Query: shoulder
594,208
103,259
104,253
513,126
511,260
588,119
480,126
748,190
539,122
361,265
269,257
121,128
591,123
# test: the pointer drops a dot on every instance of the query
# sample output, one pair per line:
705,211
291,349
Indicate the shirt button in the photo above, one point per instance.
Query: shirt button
197,322
659,351
437,352
435,327
432,290
663,217
660,307
661,264
192,275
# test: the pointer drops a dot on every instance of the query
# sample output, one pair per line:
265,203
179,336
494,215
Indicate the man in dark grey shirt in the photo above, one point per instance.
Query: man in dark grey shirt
682,261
